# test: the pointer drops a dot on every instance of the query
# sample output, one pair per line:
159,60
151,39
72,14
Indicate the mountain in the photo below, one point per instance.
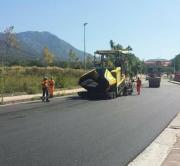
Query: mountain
31,44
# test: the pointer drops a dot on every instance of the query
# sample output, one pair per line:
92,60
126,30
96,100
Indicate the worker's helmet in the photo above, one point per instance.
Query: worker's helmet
45,78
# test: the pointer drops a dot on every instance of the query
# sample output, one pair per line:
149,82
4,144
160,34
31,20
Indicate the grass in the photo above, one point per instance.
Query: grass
28,79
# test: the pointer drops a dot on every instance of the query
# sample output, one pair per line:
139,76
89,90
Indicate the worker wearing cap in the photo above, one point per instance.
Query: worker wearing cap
51,87
45,86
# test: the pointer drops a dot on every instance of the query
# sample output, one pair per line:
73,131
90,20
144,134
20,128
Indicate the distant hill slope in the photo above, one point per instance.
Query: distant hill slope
32,44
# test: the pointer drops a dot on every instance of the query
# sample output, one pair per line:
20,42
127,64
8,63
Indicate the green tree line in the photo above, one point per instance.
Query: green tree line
132,64
176,62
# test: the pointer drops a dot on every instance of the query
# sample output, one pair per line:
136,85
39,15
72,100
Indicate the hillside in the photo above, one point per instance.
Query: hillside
32,43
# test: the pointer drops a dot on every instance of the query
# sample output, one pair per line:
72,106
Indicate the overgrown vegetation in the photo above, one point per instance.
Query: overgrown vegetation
28,79
176,62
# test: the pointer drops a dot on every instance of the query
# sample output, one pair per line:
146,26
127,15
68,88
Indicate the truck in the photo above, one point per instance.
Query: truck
154,77
107,79
154,74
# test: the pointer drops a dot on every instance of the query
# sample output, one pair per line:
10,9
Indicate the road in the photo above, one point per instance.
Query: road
74,132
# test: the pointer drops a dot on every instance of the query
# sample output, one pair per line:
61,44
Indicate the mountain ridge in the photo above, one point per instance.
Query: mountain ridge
32,43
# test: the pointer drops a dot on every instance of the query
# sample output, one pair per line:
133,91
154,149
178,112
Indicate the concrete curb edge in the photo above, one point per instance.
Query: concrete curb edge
156,153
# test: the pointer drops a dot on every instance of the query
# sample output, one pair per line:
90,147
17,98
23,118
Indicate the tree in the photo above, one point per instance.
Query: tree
129,48
9,41
119,47
10,37
131,63
72,58
89,61
48,57
115,46
111,44
176,60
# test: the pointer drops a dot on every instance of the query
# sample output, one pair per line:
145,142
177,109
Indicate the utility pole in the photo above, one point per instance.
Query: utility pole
85,45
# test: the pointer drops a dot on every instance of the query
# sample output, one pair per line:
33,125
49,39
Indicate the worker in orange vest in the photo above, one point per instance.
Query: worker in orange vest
45,86
138,85
51,87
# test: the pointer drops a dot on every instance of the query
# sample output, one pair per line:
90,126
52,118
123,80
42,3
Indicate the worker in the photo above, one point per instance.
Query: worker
51,87
138,85
45,86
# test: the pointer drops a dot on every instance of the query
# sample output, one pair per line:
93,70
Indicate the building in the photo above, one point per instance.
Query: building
159,62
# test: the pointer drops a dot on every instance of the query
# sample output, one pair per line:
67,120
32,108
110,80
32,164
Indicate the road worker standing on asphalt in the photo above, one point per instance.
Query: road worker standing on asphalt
138,85
51,87
45,86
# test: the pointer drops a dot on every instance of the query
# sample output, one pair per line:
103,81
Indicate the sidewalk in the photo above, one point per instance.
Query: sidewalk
174,82
22,98
173,158
164,150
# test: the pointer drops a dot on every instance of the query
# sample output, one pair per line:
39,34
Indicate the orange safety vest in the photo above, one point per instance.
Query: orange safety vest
45,84
51,83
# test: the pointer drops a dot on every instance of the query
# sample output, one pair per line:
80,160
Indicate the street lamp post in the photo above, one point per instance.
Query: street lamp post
85,45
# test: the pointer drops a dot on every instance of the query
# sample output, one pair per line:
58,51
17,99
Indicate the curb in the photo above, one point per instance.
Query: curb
174,82
25,98
157,152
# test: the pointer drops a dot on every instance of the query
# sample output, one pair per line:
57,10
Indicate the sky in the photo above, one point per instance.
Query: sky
150,27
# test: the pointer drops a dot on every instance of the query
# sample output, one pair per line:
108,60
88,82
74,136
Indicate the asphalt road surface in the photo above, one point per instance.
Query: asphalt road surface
71,131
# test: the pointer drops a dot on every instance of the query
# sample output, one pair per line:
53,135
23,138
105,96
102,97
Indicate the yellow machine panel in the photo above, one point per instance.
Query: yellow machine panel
109,77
